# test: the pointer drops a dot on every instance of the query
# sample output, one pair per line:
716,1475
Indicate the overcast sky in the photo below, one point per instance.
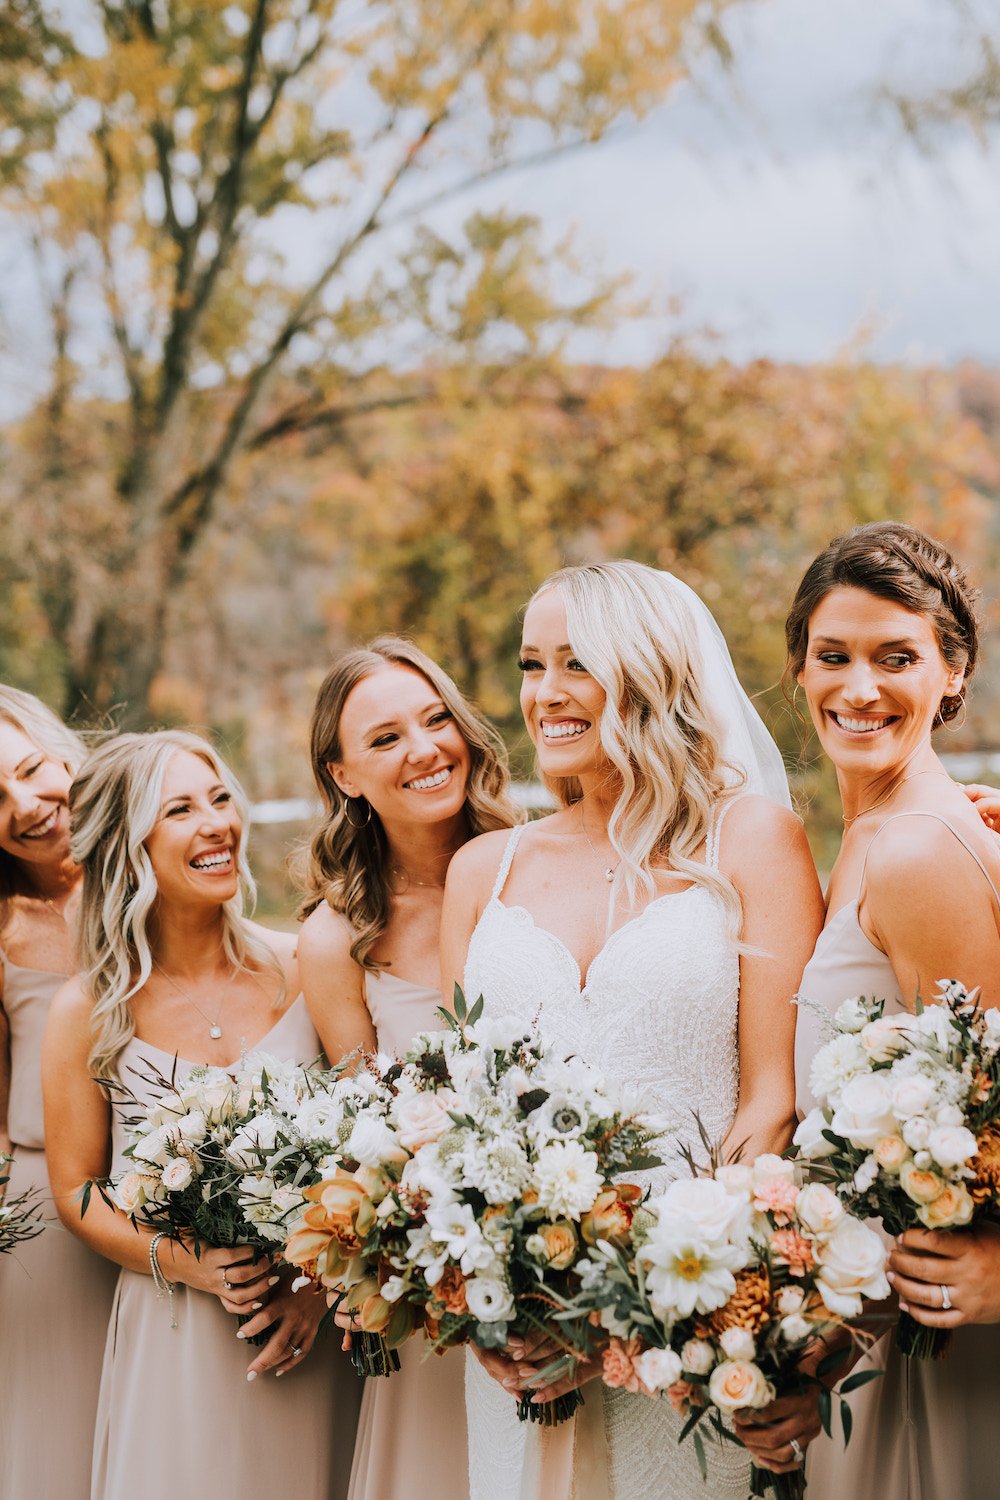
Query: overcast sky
787,215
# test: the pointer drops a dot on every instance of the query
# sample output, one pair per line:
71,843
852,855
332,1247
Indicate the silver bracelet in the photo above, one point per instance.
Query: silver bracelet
163,1286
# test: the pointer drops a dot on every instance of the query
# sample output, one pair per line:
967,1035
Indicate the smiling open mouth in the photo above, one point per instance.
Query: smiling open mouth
44,827
218,859
429,783
564,729
859,725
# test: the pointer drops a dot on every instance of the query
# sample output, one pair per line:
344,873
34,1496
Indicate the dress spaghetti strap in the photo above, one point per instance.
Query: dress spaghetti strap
919,812
714,839
508,859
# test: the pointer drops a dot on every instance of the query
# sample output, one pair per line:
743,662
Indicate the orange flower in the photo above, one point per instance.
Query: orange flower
449,1294
791,1249
682,1395
611,1216
619,1366
560,1244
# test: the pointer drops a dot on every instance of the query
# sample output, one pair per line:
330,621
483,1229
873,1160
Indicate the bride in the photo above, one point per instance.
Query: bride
656,924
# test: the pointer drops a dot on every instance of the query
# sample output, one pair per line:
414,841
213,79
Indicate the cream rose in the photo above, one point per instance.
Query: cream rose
952,1146
697,1356
177,1175
919,1186
737,1383
819,1209
738,1344
913,1094
658,1368
882,1039
865,1113
851,1266
952,1208
890,1153
424,1118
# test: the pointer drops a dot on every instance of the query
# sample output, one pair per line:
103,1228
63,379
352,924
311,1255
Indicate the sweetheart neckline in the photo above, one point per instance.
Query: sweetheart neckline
583,985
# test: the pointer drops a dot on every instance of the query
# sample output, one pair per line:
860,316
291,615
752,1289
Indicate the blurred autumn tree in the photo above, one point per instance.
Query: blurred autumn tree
200,136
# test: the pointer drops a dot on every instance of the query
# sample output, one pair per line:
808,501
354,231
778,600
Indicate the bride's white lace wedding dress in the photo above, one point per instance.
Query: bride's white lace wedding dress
659,1010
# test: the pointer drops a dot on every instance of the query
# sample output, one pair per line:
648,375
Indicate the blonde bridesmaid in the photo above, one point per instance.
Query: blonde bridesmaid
172,969
55,1293
407,772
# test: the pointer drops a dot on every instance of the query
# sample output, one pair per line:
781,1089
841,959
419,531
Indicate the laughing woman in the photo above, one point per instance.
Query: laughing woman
882,637
171,969
407,773
55,1294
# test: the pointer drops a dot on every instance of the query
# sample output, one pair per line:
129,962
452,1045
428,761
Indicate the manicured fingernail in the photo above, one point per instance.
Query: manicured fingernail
890,1277
251,1375
904,1306
509,1383
279,1373
256,1306
273,1280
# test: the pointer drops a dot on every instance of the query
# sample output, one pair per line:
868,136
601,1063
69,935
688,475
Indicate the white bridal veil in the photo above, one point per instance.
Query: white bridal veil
746,743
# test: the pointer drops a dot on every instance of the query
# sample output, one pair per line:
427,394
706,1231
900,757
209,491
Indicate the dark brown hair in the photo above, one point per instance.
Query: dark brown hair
899,563
346,862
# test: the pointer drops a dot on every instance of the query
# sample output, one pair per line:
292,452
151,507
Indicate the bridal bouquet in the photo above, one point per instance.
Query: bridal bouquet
224,1157
723,1286
20,1216
907,1126
475,1177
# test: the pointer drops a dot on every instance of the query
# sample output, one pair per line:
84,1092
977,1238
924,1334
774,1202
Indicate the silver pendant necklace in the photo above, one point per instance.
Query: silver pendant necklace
609,870
214,1029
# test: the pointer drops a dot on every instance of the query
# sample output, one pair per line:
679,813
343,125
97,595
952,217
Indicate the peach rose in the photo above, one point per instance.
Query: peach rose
891,1152
952,1208
560,1243
919,1186
737,1383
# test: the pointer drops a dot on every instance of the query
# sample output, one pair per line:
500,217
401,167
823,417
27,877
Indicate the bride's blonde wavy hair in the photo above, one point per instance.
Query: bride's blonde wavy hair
637,638
346,865
114,807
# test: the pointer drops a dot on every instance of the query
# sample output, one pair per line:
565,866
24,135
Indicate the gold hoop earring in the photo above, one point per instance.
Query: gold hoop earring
956,722
347,812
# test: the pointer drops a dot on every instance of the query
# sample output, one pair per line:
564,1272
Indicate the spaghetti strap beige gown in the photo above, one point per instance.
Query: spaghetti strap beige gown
177,1419
926,1429
55,1293
412,1442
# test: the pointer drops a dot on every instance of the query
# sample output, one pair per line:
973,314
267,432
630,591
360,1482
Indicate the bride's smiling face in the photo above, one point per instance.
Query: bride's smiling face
562,704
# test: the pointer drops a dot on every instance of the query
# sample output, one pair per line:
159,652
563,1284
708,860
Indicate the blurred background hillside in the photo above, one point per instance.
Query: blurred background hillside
322,318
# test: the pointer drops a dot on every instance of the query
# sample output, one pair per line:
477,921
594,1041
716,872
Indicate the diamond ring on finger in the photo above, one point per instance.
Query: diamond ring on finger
796,1450
946,1302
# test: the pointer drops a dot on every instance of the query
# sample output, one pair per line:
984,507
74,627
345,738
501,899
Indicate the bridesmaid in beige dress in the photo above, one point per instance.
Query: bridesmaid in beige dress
171,968
55,1294
882,638
407,773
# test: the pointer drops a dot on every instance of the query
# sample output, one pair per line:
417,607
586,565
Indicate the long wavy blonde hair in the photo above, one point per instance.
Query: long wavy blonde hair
346,865
46,730
637,638
114,807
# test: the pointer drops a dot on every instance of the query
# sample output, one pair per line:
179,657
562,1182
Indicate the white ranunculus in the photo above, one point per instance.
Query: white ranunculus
567,1179
795,1329
819,1209
864,1113
912,1094
851,1267
698,1356
948,1114
490,1301
883,1039
498,1033
191,1127
318,1118
737,1383
952,1145
254,1140
917,1132
424,1118
852,1014
177,1175
835,1064
738,1343
809,1136
372,1142
789,1300
658,1369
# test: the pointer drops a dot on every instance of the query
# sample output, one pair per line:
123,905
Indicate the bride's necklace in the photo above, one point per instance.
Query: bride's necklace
853,817
214,1029
609,870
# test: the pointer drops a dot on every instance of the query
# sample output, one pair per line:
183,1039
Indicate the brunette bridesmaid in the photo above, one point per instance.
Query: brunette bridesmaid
171,969
55,1293
407,772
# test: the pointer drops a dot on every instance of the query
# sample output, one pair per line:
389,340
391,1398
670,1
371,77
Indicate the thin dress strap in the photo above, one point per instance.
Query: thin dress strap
919,812
507,861
714,839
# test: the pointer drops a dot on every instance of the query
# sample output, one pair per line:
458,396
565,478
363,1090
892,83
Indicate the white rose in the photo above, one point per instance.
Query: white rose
949,1114
864,1114
424,1118
952,1145
809,1136
737,1383
152,1147
882,1039
703,1202
916,1133
795,1329
819,1209
658,1368
698,1356
736,1178
852,1014
372,1142
768,1168
851,1267
129,1193
738,1343
177,1175
789,1300
913,1094
490,1301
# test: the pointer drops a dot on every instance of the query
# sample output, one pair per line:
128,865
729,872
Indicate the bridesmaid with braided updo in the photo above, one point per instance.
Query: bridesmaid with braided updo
883,639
